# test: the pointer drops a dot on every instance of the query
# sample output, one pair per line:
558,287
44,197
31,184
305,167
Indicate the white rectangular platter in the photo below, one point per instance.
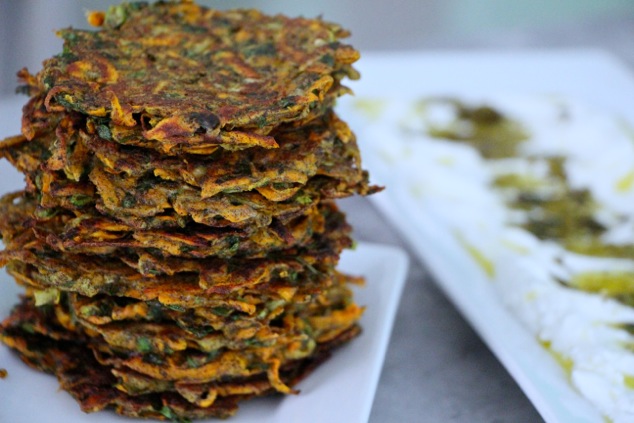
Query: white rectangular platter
590,76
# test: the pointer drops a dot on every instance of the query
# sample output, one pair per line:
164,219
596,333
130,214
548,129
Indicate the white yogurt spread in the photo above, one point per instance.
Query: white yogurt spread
452,184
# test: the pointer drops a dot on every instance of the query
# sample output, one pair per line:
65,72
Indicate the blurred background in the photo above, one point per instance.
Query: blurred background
27,26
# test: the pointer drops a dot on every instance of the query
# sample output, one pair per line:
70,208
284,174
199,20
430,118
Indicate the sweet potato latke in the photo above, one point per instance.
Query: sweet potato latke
177,237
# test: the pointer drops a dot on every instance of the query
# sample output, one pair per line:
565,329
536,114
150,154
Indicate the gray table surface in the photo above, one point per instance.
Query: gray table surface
436,369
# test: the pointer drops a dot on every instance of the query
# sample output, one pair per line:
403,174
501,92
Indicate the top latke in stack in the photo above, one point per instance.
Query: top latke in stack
177,236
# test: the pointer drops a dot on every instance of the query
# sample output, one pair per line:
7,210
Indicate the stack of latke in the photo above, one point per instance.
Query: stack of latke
177,236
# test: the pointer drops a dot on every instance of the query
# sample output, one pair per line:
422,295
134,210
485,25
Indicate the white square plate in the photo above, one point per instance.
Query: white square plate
342,389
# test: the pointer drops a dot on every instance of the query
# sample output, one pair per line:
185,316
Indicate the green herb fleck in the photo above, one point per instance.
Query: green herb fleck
128,200
234,242
261,121
288,102
168,413
281,185
191,363
328,59
272,305
307,265
303,199
222,311
104,132
44,213
144,345
198,331
80,200
116,16
253,342
176,307
28,327
185,248
48,82
67,104
266,49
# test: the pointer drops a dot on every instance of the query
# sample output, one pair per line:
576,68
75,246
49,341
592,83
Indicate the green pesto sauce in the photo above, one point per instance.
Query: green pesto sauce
518,182
480,258
490,132
619,285
625,184
552,209
565,362
564,215
594,247
628,381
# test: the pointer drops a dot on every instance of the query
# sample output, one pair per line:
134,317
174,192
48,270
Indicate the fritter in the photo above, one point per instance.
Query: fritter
91,233
156,203
170,204
161,350
324,147
293,336
173,281
45,344
132,184
129,269
233,76
90,275
200,321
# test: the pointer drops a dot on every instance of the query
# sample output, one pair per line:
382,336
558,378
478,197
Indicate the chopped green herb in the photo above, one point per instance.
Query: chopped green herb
185,249
177,307
288,102
261,121
128,200
222,311
144,345
153,359
104,132
307,265
303,199
28,327
116,15
168,413
80,200
43,213
191,363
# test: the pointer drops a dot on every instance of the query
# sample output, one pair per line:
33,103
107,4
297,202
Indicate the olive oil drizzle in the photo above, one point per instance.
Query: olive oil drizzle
551,208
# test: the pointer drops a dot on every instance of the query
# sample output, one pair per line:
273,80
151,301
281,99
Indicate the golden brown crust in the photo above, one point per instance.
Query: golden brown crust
197,77
75,169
